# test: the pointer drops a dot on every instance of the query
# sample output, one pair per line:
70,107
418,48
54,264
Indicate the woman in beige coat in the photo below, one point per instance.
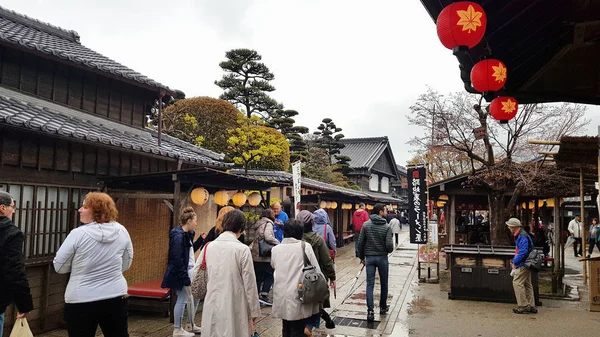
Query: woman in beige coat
262,265
231,305
288,261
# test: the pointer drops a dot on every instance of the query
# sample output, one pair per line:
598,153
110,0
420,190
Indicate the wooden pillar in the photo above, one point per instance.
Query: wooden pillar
174,223
340,224
556,279
452,219
583,234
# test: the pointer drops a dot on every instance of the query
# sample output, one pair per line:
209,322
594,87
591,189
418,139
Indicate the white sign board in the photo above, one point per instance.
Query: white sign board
297,178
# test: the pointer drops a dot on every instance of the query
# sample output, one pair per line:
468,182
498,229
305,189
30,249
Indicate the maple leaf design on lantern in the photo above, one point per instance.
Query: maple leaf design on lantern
499,72
469,19
509,106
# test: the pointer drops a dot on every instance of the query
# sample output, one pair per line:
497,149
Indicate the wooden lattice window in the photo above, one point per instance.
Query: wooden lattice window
45,215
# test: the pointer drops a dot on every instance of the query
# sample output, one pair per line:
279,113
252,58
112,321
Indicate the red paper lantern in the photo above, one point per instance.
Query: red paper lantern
488,75
504,108
461,24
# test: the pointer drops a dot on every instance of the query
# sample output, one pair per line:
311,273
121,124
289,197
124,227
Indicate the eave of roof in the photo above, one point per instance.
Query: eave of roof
18,110
21,31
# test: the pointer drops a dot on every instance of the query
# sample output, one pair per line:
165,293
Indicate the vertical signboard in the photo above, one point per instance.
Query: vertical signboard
296,178
417,205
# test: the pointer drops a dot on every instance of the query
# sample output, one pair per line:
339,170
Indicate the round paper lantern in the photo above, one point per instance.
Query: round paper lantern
239,199
328,204
356,206
221,198
254,199
504,108
488,75
440,204
395,206
443,197
461,24
323,204
199,195
333,205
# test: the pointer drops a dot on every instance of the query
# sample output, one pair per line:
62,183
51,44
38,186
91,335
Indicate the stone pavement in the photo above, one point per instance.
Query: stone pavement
430,313
353,310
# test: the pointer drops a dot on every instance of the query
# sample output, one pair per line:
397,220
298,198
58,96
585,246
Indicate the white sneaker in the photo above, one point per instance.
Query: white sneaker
194,329
180,332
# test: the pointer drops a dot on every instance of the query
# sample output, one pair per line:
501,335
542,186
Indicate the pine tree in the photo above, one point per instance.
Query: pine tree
329,136
282,120
246,83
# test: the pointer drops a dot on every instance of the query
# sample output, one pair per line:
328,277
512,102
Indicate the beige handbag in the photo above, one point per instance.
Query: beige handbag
200,279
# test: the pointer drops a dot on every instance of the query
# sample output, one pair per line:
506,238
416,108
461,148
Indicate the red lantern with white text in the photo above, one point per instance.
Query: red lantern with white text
504,108
461,24
488,75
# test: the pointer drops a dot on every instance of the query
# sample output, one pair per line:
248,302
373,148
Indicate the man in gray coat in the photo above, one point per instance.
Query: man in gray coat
374,244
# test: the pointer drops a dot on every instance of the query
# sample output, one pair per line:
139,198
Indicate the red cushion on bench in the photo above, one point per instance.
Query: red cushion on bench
149,289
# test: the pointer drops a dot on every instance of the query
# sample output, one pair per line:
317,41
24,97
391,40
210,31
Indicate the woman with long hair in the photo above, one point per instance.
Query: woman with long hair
264,229
231,286
180,271
96,254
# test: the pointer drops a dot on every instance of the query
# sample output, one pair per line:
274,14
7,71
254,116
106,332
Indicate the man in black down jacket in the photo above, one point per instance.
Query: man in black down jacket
14,287
374,245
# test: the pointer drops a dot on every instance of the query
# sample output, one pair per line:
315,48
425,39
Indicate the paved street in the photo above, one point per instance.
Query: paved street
402,273
417,309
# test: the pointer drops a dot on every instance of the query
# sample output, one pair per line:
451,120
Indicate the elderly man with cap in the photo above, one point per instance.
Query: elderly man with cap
521,274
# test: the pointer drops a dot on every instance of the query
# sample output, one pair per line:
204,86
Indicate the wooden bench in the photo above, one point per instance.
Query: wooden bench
348,235
149,296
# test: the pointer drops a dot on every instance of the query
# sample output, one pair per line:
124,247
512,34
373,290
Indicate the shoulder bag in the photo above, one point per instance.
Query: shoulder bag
264,248
534,258
200,279
313,287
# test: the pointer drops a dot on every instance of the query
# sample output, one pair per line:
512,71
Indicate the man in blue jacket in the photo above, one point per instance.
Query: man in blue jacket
521,274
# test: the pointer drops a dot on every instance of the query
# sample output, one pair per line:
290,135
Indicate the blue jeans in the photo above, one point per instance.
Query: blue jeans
183,300
380,263
1,324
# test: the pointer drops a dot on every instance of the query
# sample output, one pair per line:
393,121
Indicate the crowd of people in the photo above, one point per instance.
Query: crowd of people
292,259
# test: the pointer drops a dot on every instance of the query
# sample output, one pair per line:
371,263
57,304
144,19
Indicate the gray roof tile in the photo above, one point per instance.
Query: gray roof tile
286,177
30,33
21,111
363,151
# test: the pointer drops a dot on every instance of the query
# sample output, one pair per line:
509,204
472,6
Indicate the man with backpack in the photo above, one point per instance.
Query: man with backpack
374,245
521,274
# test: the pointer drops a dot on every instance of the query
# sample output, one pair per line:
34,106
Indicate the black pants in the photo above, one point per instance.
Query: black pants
293,328
83,318
264,277
593,243
575,244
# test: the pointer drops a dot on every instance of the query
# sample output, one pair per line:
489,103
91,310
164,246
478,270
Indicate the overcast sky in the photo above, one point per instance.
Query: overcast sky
360,63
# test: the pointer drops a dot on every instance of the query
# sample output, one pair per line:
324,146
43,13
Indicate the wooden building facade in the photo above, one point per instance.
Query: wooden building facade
69,118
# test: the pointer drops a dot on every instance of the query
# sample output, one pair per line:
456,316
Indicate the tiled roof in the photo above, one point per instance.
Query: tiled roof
22,111
30,33
363,151
286,177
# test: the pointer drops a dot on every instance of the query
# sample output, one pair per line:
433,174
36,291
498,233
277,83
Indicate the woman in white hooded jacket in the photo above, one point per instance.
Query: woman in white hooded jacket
96,254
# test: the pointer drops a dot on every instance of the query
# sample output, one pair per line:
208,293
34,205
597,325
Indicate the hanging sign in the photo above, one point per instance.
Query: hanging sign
417,205
296,178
